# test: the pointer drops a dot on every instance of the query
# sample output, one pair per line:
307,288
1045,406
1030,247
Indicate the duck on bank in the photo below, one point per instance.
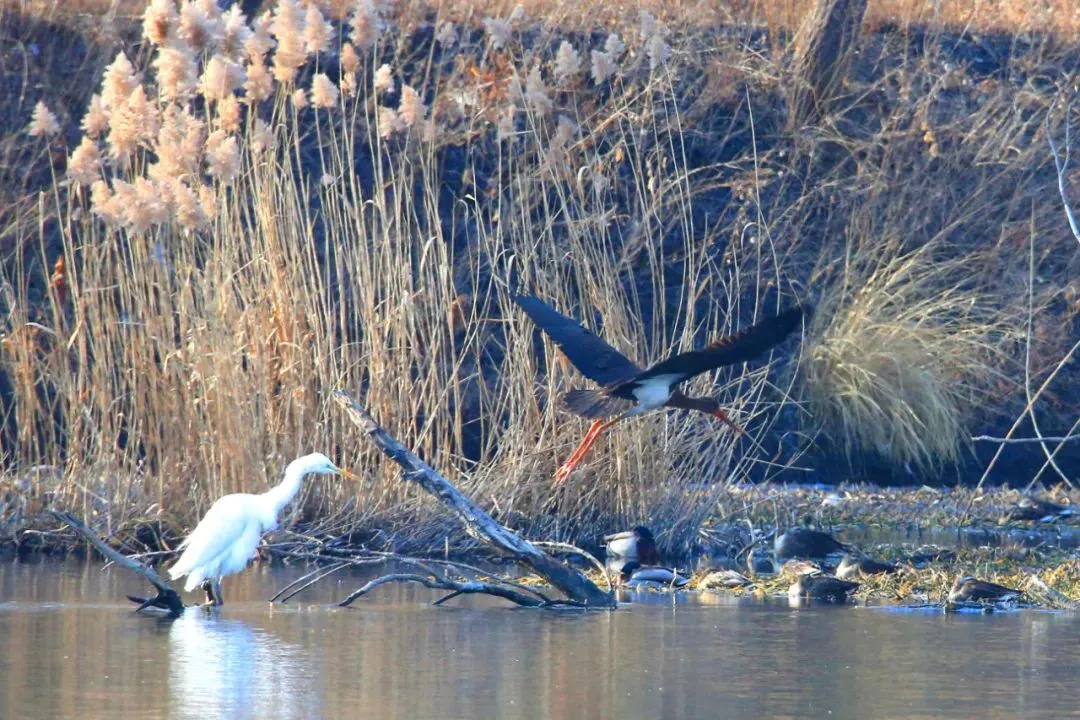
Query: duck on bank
854,565
633,574
814,585
637,544
970,589
803,543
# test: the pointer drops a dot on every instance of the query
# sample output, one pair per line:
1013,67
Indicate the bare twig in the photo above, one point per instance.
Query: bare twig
567,547
370,557
478,523
167,598
436,582
1027,363
319,574
501,580
1017,441
445,598
1062,165
1031,398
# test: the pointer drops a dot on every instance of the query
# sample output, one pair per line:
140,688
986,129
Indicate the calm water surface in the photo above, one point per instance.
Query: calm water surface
72,648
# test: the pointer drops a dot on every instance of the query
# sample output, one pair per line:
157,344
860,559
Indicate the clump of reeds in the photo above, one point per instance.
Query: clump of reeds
902,350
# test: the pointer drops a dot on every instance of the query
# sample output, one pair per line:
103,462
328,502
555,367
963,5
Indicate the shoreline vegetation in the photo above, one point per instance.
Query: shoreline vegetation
210,222
1030,567
1001,541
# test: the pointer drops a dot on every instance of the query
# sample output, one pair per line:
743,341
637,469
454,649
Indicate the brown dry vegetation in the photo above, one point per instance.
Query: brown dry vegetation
173,358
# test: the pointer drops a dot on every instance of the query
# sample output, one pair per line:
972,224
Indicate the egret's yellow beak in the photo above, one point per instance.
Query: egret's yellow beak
348,474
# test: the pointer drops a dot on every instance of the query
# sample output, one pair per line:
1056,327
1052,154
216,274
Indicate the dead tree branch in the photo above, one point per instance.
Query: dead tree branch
166,599
363,558
507,589
455,587
1023,440
824,46
579,589
567,547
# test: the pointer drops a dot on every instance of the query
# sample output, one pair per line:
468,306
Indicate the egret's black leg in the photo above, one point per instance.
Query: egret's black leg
208,588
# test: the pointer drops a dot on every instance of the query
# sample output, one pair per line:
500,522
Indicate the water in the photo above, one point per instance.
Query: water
1046,536
72,648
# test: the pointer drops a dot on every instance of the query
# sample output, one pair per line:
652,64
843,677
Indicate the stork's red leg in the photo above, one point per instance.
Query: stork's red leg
595,430
586,442
722,417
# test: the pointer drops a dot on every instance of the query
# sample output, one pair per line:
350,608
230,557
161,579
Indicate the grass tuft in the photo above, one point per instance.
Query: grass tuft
902,350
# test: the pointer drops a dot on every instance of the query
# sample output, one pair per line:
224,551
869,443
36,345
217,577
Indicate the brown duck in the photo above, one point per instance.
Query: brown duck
816,586
971,589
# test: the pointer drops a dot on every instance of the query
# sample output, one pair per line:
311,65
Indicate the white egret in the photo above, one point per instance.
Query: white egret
226,538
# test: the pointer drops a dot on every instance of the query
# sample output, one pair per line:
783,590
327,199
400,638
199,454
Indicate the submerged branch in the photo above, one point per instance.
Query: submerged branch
479,524
455,587
319,574
166,599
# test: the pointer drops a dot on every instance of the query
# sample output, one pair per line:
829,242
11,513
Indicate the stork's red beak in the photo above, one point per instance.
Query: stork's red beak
722,417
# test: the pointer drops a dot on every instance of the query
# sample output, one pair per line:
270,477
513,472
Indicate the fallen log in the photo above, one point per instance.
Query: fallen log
167,599
579,590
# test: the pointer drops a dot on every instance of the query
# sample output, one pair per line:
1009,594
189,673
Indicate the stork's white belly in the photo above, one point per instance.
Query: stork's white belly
653,393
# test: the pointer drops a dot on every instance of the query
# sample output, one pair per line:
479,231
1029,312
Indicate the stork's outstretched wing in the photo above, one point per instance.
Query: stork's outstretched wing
593,357
740,347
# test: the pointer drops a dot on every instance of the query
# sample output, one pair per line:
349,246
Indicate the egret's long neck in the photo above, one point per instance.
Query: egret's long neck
281,494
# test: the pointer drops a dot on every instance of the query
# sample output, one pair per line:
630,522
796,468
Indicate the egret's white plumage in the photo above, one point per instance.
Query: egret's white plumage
228,535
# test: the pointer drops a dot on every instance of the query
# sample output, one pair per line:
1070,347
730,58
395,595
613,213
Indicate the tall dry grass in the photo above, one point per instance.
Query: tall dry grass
222,271
251,245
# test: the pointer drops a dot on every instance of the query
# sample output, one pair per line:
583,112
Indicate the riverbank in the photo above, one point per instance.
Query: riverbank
884,522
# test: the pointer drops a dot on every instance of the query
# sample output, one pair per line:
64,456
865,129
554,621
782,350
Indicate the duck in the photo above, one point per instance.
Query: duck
925,557
760,563
806,544
1037,509
796,568
852,565
634,574
725,579
817,586
637,544
970,589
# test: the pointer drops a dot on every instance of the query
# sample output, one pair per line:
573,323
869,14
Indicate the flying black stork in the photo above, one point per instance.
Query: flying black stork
627,390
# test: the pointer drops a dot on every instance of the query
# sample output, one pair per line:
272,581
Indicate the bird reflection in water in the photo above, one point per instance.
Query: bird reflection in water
226,668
